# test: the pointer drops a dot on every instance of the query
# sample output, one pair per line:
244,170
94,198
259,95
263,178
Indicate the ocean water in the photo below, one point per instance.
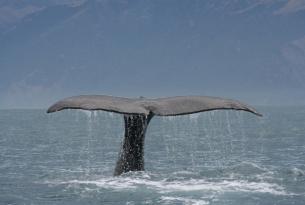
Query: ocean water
218,157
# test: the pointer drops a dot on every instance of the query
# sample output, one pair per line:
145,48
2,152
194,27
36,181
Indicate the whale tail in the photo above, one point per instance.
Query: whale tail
171,106
137,114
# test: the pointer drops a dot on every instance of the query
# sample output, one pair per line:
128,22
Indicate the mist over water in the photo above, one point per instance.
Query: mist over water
218,157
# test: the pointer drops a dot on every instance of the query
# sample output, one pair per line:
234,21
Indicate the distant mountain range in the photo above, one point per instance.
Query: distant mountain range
253,50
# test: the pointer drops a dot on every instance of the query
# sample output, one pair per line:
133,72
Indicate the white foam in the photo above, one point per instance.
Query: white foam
186,201
164,186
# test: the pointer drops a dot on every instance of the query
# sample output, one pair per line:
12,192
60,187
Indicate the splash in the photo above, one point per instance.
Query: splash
178,186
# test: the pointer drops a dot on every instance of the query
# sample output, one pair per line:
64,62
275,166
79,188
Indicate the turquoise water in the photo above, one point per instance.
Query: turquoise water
219,157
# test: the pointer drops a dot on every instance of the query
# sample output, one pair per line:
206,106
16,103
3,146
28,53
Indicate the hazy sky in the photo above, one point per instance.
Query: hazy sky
252,50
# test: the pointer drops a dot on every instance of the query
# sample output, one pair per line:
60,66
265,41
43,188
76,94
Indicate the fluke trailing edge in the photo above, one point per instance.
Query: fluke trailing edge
137,114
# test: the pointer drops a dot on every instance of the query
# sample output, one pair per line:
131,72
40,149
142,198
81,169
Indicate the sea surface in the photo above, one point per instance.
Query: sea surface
218,157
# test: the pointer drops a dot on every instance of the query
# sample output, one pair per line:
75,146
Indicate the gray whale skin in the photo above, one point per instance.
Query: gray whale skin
137,114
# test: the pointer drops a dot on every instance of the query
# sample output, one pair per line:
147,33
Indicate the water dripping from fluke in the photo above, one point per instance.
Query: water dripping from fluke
137,114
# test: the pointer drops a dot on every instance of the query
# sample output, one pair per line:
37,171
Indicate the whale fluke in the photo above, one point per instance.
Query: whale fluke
171,106
137,114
